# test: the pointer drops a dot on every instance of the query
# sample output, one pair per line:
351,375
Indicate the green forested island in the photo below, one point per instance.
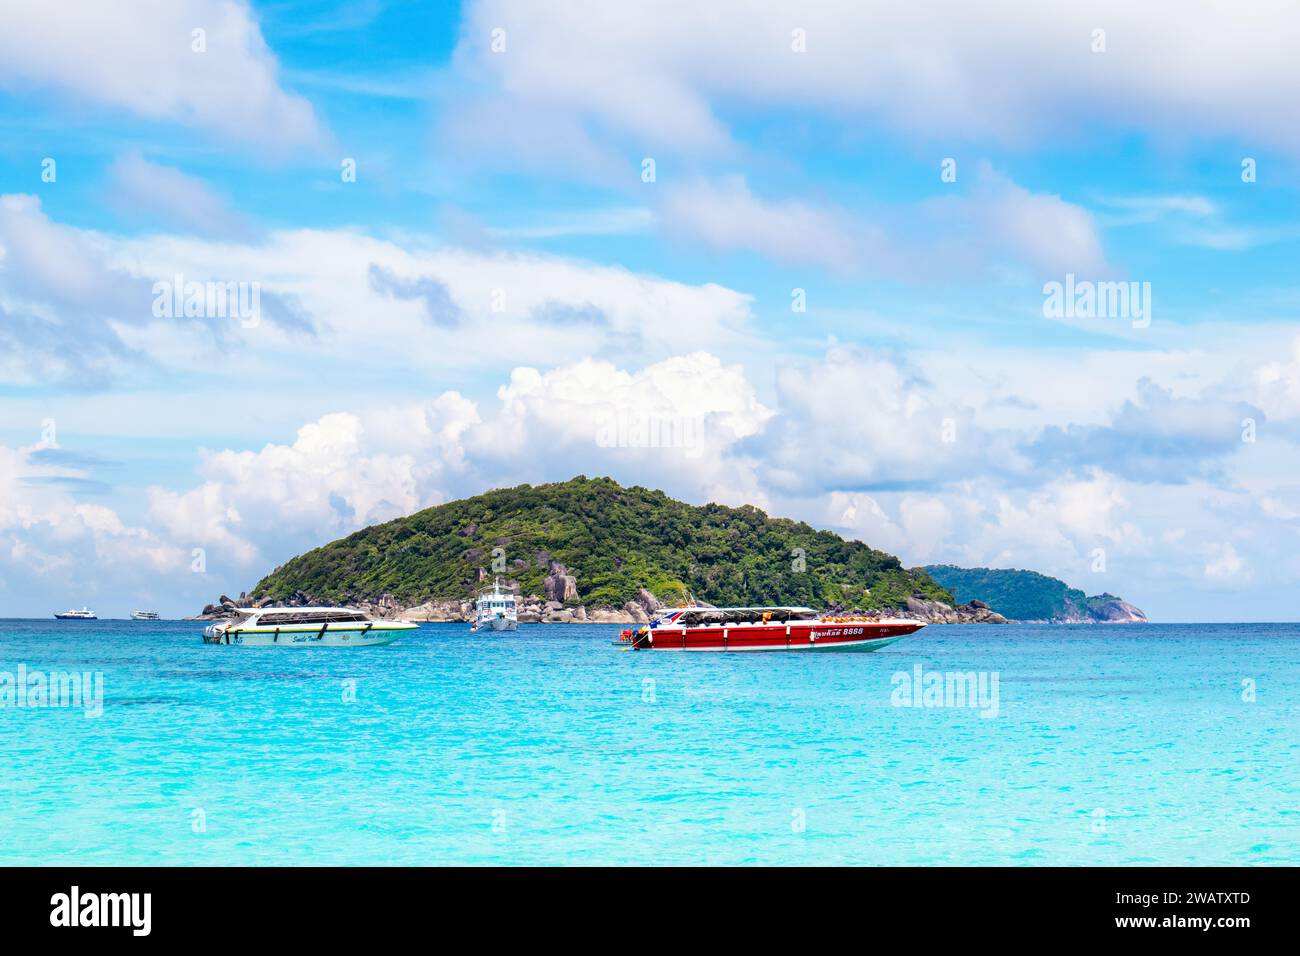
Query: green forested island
603,543
1030,596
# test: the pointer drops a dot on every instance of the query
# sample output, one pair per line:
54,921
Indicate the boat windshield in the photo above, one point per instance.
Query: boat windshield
312,617
748,615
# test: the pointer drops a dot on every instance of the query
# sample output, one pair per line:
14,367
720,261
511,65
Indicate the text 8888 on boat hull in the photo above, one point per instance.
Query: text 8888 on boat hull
765,629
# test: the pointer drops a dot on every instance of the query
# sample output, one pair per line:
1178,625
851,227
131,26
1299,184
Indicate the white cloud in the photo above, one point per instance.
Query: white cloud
678,424
1155,436
51,541
727,215
171,197
59,298
512,307
1017,72
1044,230
1225,565
996,220
1130,210
853,442
859,419
1054,527
79,305
258,505
143,60
1278,385
851,423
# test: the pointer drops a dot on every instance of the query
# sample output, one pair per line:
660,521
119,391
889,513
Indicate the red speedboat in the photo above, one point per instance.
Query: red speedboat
764,629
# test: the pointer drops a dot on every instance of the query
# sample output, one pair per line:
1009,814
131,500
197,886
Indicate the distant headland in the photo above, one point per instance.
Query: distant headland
1030,596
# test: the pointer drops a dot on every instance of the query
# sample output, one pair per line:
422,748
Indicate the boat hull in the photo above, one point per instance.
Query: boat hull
315,637
813,636
74,617
498,624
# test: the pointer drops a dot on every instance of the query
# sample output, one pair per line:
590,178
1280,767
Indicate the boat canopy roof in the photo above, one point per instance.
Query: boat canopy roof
726,615
302,610
302,615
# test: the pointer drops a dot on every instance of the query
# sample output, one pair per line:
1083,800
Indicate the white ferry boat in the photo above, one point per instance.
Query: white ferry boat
304,627
496,610
85,614
145,616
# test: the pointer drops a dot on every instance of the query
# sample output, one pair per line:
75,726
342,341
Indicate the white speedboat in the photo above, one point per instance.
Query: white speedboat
304,627
145,616
496,610
85,614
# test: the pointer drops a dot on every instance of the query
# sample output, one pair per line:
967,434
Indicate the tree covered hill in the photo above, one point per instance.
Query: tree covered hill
613,541
1030,596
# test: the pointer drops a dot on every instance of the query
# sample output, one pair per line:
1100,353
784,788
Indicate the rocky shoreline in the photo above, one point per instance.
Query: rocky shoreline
537,609
560,606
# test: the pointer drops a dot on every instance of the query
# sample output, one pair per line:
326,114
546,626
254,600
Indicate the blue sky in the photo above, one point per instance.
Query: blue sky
500,281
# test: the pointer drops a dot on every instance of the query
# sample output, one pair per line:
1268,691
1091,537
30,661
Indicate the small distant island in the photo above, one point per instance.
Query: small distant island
1030,596
592,550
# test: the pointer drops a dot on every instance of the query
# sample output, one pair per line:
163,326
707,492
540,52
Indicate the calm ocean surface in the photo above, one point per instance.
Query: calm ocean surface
1111,745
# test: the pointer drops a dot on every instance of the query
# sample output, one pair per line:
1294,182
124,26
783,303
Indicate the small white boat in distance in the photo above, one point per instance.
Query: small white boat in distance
85,614
496,610
304,627
145,616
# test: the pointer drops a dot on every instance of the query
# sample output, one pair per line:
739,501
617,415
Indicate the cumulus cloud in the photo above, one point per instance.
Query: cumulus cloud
676,424
1157,437
325,484
48,535
862,420
144,61
1057,527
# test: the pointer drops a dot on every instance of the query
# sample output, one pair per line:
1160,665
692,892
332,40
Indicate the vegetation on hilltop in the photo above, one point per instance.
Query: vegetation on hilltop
613,540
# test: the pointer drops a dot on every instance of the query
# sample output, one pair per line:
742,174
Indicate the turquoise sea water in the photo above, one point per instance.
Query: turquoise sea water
1111,745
